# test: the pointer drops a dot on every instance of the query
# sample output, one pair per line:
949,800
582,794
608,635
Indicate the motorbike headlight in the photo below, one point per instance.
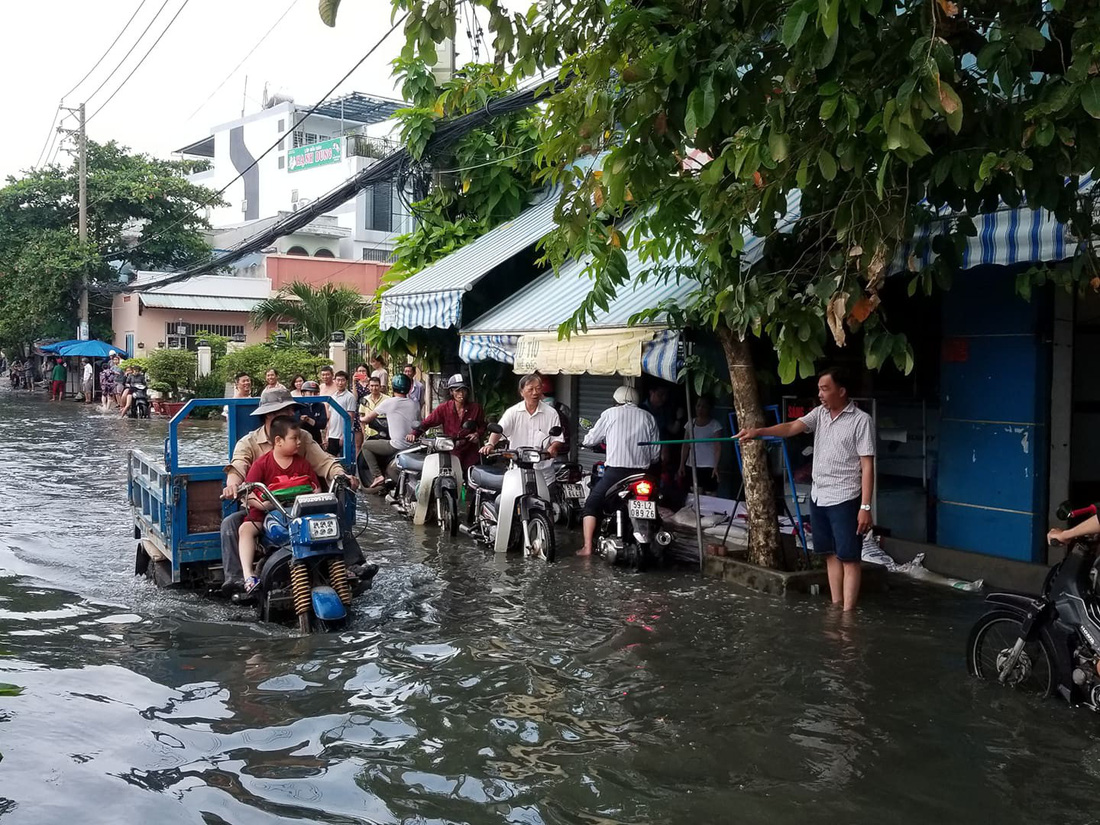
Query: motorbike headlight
444,444
530,456
324,528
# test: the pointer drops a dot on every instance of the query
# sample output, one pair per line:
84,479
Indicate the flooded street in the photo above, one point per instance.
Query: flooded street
472,689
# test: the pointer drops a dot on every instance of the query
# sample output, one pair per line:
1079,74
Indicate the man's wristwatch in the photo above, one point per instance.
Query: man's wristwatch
866,507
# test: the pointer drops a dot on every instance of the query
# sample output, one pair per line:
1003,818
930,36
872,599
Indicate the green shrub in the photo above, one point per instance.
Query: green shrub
259,358
175,367
218,344
141,363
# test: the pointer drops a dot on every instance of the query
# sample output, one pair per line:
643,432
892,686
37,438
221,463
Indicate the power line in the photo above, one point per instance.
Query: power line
281,137
128,52
446,133
118,36
236,68
51,136
143,58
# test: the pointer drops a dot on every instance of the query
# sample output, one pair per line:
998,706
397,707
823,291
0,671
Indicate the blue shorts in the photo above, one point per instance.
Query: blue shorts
835,530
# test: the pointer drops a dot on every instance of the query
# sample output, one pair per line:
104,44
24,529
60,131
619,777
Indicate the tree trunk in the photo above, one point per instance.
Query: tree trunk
759,491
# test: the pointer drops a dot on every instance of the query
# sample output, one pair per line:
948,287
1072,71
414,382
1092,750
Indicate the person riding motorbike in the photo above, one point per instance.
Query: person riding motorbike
621,428
402,415
451,416
248,449
528,424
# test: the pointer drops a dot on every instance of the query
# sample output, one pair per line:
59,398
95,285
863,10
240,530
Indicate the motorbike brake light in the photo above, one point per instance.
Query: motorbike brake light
643,489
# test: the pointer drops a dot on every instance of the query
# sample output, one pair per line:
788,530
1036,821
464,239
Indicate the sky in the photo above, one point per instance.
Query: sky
46,48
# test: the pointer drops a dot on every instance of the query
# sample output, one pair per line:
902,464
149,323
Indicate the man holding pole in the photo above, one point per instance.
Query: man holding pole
843,480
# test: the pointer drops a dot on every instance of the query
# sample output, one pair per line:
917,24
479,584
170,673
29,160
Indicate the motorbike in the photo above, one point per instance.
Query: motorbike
427,483
303,571
512,507
1050,644
139,399
630,530
568,493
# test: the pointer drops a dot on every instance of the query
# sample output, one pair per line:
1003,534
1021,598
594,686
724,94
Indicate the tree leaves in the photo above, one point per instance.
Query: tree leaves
1090,97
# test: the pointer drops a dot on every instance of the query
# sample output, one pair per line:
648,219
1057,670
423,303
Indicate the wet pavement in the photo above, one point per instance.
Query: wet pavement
472,689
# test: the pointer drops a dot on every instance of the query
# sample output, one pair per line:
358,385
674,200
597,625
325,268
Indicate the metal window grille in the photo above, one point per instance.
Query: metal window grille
191,338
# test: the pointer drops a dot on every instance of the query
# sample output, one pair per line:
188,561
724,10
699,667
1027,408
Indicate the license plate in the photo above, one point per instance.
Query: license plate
641,509
572,490
327,528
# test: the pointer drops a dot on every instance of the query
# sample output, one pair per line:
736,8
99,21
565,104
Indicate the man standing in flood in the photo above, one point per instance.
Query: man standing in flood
843,480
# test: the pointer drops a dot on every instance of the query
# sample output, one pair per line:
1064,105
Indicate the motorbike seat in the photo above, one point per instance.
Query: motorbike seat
414,462
487,477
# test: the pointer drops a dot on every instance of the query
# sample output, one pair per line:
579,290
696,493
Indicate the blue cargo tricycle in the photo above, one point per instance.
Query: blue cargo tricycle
178,511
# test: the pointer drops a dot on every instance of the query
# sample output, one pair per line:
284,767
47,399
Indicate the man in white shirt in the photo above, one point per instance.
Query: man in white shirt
87,382
402,416
621,428
346,399
528,424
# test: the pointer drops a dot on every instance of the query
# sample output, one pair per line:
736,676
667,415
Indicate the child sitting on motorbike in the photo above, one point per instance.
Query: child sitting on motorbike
272,469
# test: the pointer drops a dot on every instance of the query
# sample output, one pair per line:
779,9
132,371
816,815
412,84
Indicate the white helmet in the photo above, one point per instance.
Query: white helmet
626,395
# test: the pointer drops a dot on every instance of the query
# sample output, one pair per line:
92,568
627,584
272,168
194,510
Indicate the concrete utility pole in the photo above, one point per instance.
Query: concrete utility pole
81,137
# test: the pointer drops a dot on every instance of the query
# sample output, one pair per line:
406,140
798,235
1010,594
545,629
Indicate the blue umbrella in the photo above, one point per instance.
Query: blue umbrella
58,345
89,349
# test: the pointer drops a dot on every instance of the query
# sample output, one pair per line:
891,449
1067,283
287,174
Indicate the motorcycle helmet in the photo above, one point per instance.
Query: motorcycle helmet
626,395
310,386
402,384
547,386
457,382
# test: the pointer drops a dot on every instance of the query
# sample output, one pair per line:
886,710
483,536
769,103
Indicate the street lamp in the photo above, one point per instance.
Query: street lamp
237,337
337,337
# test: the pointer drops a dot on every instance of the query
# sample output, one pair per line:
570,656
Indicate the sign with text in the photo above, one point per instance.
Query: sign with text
316,154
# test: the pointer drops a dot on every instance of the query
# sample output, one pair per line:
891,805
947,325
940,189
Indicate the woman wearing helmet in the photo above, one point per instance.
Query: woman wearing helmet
314,417
402,416
452,416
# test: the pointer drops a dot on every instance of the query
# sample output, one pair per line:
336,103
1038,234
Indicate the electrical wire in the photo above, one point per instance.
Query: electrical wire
281,137
103,56
129,51
138,66
446,134
51,136
236,68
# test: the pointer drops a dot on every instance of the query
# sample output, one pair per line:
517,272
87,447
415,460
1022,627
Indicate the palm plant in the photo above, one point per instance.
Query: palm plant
316,312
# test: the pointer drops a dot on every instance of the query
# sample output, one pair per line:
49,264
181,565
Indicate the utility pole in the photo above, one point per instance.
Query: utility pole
81,137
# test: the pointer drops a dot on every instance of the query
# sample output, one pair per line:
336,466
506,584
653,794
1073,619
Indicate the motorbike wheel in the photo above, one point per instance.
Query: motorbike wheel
449,514
541,532
993,637
639,557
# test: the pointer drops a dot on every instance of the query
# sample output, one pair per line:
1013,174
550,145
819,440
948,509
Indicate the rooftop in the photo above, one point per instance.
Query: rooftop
360,108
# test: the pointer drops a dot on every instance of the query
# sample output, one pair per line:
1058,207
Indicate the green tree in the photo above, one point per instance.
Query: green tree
883,116
257,359
485,178
174,368
316,312
141,211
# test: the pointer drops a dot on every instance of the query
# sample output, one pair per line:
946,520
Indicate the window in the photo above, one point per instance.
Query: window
282,162
282,126
297,250
282,144
380,206
323,253
378,255
190,340
305,138
129,345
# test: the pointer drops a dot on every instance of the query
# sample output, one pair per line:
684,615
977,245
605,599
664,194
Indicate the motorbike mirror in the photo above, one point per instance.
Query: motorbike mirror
495,428
469,425
1064,509
555,432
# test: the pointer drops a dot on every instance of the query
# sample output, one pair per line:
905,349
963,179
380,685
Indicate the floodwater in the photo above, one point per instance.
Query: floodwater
471,689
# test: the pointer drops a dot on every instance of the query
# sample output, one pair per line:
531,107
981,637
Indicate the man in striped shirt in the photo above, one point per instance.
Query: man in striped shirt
620,428
843,480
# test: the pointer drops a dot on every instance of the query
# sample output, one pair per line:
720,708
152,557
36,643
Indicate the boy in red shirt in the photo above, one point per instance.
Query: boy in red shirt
273,470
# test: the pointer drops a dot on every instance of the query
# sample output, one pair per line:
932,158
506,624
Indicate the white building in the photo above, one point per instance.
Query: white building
343,137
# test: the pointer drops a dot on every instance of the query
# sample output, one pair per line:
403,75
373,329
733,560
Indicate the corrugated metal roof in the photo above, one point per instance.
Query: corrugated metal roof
465,267
161,300
551,299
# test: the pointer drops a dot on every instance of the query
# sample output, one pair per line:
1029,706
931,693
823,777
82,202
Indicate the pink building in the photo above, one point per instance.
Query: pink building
174,314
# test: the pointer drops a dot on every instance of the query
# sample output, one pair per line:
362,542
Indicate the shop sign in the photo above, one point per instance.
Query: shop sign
316,154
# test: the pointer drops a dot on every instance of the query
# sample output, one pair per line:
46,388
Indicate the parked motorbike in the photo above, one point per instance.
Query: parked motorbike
303,573
512,507
427,483
139,399
630,530
568,492
1049,644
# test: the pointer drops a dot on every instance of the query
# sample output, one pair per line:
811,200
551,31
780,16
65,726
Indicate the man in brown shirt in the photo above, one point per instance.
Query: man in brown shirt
250,447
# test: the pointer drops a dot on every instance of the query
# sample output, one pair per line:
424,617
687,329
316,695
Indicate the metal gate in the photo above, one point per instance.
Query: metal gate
594,395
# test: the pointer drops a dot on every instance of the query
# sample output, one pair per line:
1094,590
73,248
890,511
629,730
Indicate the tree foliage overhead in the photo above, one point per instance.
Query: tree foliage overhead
882,115
141,211
487,177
